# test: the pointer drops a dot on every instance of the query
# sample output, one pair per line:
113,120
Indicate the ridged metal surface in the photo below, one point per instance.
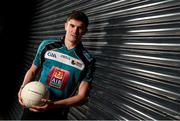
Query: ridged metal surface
137,47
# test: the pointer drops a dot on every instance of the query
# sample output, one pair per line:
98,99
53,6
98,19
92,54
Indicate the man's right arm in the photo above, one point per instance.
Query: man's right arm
28,77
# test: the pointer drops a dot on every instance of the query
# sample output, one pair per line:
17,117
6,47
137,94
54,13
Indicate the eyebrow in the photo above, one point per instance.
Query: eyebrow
75,25
72,24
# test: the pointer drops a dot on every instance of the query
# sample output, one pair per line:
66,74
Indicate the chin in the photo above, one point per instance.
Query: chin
73,40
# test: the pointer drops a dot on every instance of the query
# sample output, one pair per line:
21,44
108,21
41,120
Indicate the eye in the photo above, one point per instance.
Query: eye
80,28
72,25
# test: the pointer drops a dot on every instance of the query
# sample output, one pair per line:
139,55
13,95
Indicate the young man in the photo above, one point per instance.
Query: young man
66,66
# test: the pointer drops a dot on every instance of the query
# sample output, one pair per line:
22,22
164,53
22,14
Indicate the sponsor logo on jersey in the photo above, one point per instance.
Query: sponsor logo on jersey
51,54
57,78
74,62
66,59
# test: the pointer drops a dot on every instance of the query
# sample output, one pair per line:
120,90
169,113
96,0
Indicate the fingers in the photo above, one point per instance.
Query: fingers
38,108
34,109
20,99
45,101
47,104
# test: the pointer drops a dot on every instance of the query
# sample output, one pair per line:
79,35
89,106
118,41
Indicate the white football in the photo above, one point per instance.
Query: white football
33,92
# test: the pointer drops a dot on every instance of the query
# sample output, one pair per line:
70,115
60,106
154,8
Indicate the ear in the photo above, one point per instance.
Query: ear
65,26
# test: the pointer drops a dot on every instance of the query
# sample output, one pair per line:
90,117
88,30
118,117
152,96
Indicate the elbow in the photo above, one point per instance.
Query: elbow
83,100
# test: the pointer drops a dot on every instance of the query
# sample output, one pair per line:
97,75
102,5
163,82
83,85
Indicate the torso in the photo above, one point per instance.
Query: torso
62,69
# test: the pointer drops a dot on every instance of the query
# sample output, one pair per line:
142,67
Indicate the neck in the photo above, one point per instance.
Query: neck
69,45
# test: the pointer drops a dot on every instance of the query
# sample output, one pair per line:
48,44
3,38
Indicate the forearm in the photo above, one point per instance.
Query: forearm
28,77
72,101
76,100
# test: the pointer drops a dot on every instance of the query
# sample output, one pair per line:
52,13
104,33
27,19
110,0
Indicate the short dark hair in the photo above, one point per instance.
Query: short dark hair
79,15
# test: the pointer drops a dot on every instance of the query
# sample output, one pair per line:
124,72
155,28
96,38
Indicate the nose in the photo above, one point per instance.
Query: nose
76,30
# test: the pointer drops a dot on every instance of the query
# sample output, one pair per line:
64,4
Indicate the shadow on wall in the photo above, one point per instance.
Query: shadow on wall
14,24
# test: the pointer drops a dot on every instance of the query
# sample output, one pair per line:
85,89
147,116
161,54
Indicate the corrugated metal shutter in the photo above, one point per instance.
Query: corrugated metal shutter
137,46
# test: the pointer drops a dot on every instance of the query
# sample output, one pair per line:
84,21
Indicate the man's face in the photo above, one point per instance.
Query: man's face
74,30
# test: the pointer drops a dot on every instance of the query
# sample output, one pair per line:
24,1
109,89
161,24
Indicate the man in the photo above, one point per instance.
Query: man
66,66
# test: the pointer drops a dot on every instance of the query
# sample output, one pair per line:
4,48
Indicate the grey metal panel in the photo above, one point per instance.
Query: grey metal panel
137,47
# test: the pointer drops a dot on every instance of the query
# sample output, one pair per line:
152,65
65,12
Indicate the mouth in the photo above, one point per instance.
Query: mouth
74,36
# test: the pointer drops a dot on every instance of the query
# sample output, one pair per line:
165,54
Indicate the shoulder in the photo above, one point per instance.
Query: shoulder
85,54
88,55
48,41
50,44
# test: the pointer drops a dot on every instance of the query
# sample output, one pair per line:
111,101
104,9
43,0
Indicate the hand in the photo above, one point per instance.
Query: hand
20,98
47,105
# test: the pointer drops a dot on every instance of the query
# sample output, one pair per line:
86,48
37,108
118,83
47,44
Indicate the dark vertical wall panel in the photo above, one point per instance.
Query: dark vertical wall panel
15,19
137,46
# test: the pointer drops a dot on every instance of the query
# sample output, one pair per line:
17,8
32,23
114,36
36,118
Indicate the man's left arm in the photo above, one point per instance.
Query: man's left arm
76,100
